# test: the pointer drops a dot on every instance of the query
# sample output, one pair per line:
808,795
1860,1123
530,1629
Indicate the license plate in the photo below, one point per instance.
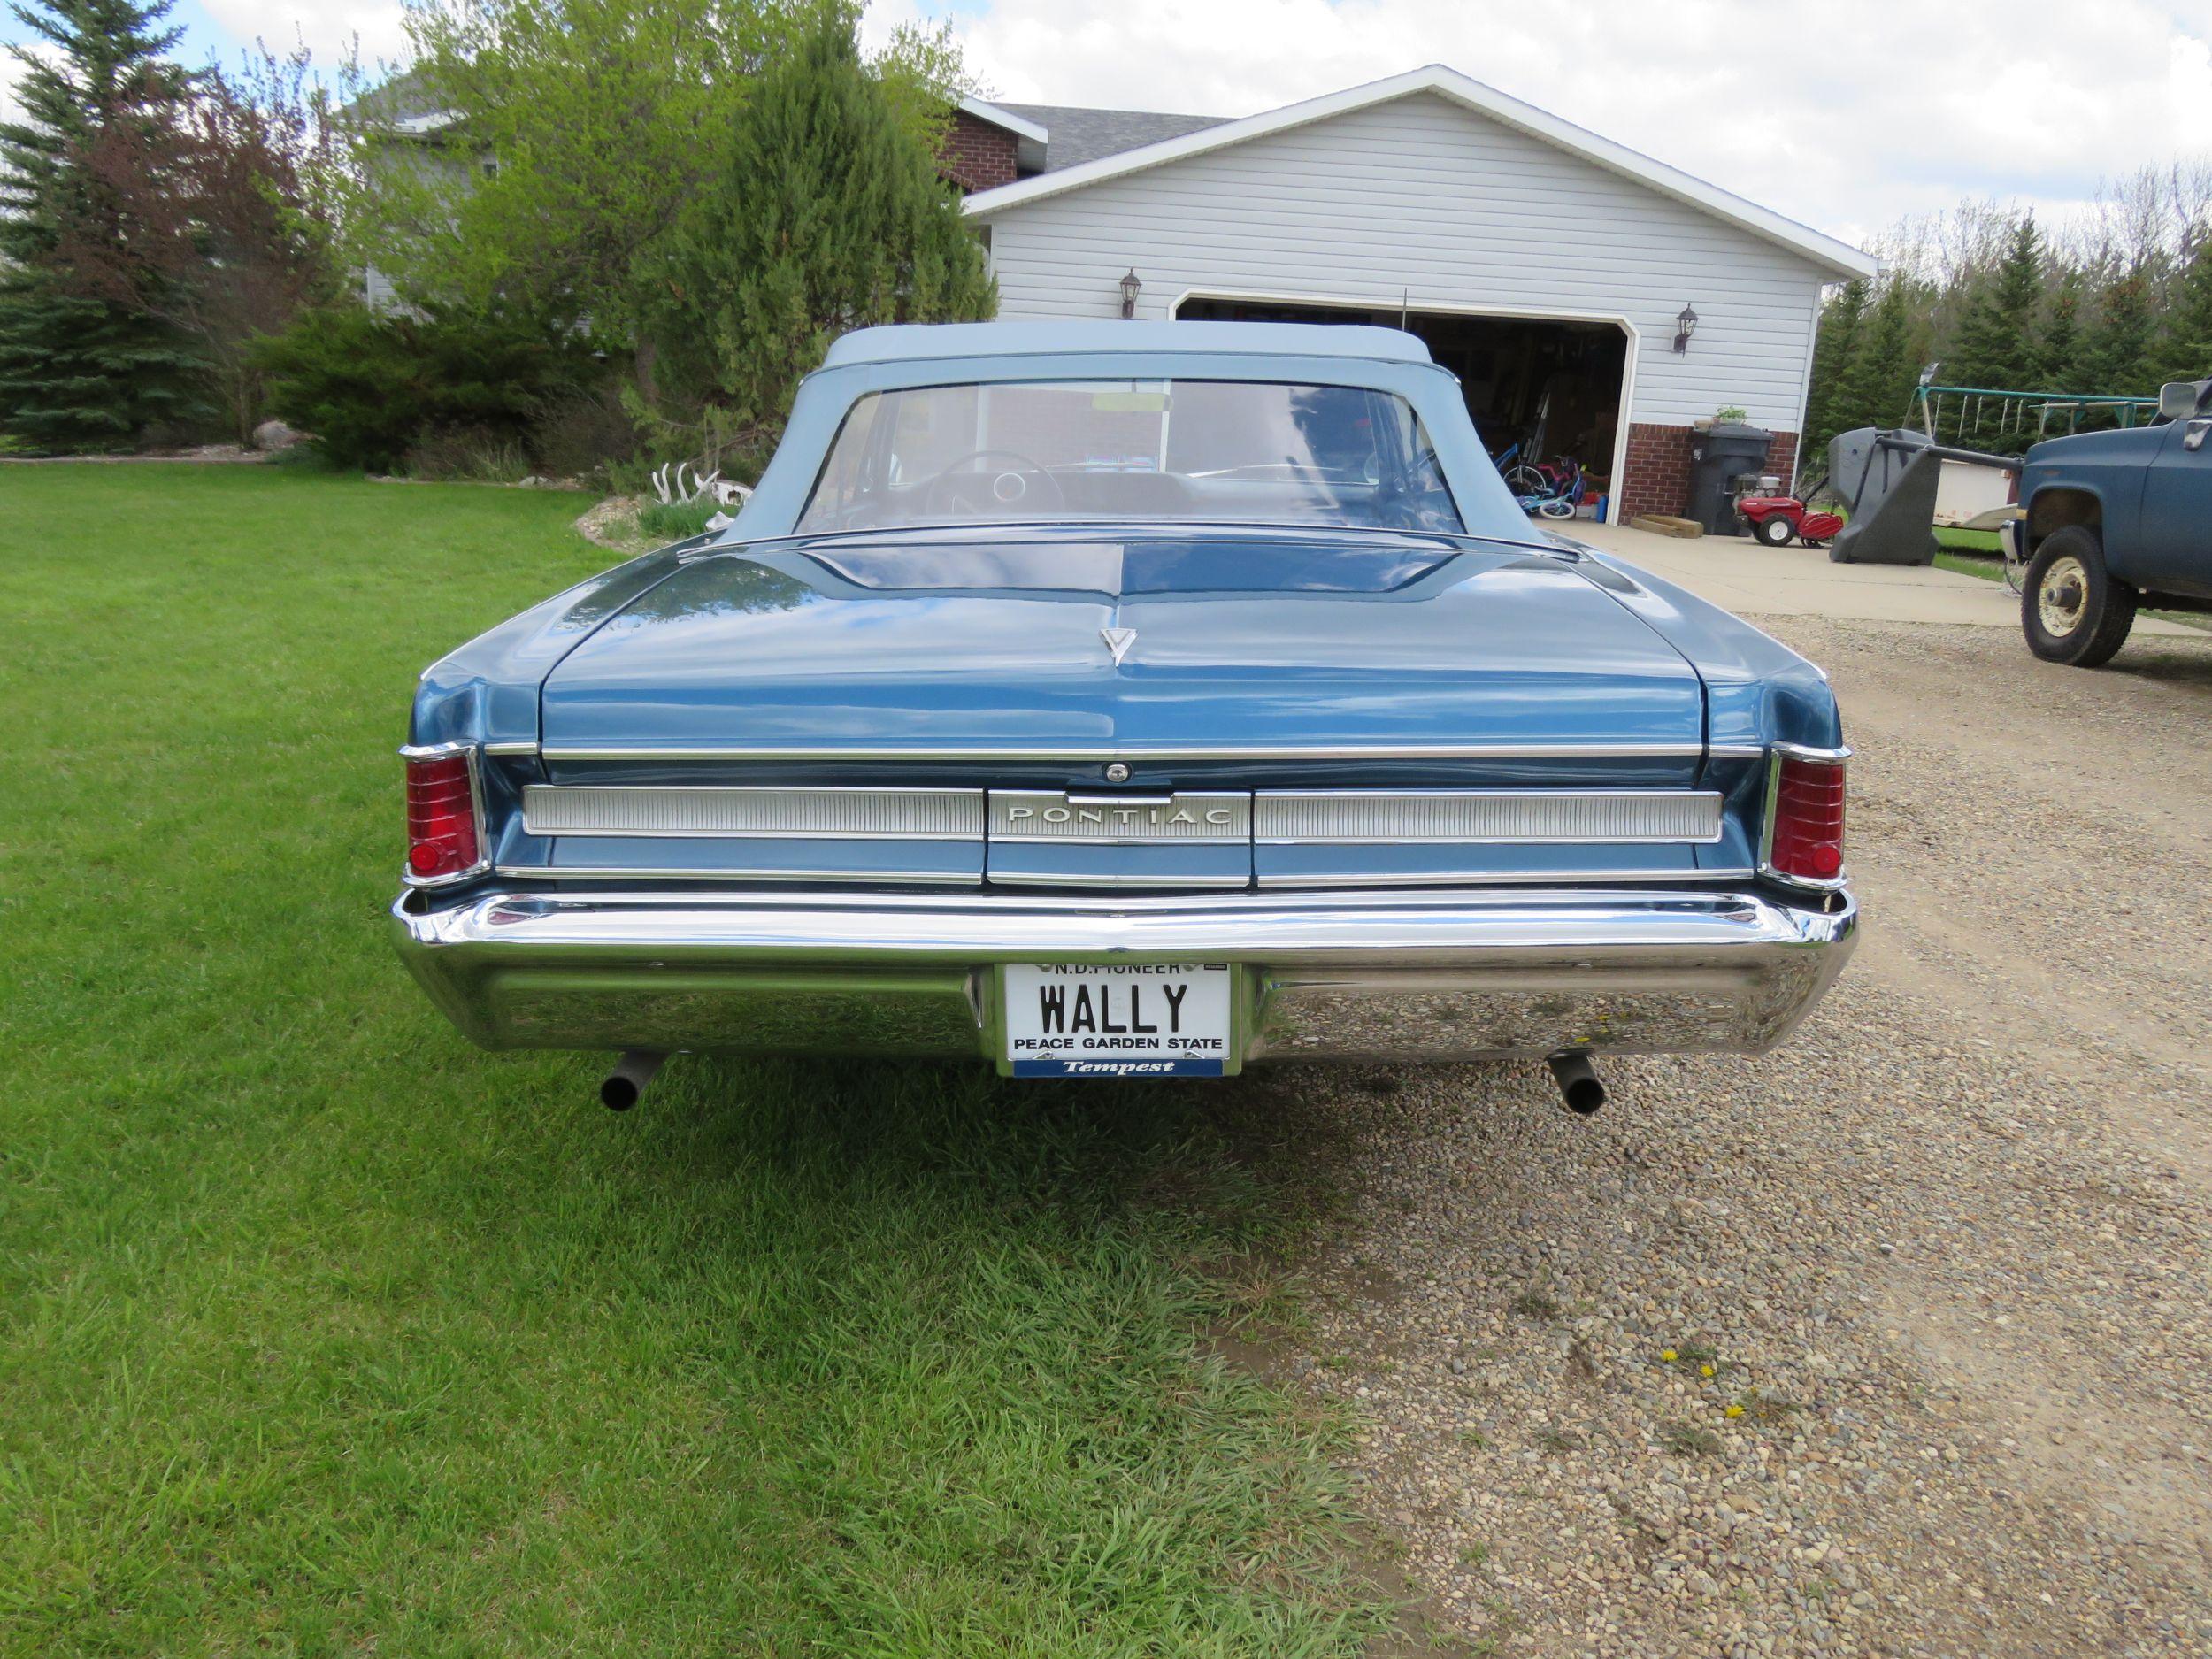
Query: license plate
1119,1020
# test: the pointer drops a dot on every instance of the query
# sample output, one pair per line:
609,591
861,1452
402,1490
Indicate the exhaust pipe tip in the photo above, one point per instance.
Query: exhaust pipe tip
1580,1088
620,1088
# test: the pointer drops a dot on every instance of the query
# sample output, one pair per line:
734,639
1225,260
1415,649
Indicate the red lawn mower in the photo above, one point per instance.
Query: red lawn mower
1776,519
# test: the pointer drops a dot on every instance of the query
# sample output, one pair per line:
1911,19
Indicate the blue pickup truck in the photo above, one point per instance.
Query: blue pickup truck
2110,520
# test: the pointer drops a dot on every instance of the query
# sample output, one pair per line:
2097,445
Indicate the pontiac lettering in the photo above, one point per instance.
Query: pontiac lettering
1019,814
1121,815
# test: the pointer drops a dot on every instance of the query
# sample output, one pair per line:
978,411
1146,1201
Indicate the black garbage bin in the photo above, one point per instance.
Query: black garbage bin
1718,457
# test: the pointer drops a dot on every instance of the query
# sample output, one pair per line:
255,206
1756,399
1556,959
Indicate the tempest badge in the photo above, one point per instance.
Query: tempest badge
1118,640
1040,815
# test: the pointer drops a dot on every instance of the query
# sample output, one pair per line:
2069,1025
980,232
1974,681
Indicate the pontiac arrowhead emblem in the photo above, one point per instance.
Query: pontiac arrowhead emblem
1118,640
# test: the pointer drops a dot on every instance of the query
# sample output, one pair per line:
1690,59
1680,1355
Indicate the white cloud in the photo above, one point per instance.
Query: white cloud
1844,117
10,73
329,27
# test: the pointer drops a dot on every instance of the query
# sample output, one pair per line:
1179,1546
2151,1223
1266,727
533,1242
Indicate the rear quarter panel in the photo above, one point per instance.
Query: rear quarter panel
1757,692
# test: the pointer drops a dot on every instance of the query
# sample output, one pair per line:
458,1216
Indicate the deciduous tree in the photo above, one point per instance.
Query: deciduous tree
229,210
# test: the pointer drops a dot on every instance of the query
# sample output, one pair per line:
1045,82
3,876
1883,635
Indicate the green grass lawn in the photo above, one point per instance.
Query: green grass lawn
326,1334
1980,543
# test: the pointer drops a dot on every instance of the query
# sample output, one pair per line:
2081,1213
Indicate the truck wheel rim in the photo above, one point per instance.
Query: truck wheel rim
2062,595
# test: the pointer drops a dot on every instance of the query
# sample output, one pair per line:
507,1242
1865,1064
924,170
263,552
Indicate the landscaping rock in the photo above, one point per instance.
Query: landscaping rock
271,435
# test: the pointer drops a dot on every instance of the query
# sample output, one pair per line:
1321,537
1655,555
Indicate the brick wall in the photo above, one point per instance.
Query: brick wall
1657,473
976,155
1782,457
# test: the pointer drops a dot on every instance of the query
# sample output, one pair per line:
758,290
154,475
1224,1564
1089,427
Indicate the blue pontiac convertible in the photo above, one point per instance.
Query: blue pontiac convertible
1110,699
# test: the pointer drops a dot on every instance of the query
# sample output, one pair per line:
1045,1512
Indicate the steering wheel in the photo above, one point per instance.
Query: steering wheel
952,488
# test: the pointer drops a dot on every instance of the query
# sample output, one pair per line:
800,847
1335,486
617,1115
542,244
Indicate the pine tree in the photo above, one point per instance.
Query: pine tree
1877,384
829,215
80,367
2186,341
2117,359
1995,346
1841,321
2058,366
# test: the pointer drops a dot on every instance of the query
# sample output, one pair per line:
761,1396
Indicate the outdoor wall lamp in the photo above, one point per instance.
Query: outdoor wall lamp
1685,325
1130,289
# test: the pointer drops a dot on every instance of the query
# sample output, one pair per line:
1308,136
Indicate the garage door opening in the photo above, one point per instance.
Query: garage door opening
1539,388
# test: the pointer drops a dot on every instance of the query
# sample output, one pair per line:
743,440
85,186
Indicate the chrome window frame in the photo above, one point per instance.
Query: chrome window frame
1776,753
441,751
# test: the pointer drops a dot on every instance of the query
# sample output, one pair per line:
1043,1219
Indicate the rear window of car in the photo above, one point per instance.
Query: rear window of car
1201,450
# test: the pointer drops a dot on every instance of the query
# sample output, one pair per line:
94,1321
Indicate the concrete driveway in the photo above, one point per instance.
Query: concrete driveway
1739,574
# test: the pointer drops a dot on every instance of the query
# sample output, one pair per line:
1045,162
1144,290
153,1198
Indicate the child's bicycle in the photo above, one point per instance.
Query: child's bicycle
1521,476
1558,492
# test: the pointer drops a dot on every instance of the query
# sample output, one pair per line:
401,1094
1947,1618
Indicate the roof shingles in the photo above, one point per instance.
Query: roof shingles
1077,135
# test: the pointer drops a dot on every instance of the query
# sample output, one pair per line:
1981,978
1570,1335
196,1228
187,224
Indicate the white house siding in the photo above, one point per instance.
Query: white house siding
1424,195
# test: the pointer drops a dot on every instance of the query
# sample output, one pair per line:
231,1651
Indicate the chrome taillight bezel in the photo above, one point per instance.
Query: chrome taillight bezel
472,753
1776,754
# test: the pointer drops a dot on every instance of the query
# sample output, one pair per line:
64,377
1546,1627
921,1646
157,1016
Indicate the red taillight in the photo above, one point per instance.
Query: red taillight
440,816
1807,841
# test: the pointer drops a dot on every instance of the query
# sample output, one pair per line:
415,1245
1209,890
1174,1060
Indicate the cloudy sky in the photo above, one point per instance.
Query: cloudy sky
1845,116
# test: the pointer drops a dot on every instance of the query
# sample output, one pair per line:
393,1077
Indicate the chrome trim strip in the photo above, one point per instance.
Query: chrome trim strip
1086,754
1557,817
1008,909
624,873
1736,752
1088,879
437,751
1509,878
1424,880
1186,817
793,814
521,746
1775,754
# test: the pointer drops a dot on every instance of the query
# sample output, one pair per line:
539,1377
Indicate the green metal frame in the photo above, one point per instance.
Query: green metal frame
2013,407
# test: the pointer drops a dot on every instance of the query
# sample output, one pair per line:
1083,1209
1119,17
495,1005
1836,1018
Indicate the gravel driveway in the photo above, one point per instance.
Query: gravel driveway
1896,1341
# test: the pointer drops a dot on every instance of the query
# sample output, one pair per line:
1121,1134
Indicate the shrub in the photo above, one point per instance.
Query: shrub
371,390
675,521
827,213
585,433
469,455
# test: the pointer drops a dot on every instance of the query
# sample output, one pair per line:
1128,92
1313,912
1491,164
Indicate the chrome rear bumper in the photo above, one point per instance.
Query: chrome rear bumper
1329,975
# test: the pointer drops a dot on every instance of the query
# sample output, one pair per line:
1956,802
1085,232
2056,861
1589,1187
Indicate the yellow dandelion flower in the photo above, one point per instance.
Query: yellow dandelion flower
1705,1370
1669,1355
1733,1411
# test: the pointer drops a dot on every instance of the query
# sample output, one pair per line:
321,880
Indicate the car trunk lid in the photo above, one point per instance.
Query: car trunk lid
1221,651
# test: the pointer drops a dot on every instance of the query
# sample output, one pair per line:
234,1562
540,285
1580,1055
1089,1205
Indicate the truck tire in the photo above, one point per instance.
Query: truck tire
2072,609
